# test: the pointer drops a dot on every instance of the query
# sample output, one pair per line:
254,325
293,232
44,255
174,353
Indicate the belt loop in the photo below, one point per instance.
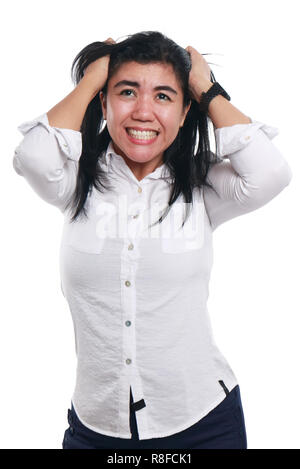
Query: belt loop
71,421
138,405
224,387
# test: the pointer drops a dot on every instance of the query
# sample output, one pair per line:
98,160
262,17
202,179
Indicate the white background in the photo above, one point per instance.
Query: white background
254,290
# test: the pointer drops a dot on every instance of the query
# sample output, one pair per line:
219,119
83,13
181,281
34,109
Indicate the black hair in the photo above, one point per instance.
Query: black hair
188,157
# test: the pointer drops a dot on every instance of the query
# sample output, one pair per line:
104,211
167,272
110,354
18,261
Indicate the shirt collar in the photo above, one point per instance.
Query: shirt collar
114,162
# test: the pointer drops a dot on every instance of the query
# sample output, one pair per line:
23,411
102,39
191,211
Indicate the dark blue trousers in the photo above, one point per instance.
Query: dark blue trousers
222,428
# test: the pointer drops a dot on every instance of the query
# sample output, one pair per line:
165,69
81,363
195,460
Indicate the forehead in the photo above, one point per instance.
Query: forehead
146,74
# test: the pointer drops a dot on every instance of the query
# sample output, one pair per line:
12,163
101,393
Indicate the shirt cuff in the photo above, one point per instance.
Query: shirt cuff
236,137
69,140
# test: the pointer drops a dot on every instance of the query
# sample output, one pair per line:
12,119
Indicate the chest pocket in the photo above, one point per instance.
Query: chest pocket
176,239
89,234
176,246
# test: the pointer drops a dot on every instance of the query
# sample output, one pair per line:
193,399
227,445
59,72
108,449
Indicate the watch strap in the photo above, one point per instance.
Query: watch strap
211,93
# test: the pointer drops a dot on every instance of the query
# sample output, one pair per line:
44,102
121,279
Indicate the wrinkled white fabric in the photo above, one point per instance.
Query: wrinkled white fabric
138,296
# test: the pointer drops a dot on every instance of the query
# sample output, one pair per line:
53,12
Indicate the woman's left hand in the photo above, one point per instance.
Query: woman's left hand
199,77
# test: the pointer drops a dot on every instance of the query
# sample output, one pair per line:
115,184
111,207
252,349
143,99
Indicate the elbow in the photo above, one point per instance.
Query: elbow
37,172
262,190
272,185
287,175
17,164
280,178
24,162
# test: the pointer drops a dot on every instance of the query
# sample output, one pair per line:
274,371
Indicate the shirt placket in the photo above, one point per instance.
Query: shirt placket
129,263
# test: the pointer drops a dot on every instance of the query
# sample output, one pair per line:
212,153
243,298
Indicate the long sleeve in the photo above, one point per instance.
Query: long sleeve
47,158
254,173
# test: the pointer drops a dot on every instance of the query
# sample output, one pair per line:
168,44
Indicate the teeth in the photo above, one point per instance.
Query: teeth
147,134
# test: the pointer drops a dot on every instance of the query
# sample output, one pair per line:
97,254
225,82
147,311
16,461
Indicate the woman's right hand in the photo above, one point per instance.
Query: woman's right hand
96,72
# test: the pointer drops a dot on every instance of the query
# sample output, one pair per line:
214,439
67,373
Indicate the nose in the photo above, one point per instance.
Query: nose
143,109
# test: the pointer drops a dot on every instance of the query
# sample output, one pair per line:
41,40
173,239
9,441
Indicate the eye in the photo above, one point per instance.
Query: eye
124,91
165,97
162,94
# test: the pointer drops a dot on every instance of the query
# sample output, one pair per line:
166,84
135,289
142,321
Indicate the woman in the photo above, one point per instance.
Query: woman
121,156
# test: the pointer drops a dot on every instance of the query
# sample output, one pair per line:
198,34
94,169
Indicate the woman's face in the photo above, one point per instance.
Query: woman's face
152,101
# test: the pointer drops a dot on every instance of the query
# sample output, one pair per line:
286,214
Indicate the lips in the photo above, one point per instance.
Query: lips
142,129
142,140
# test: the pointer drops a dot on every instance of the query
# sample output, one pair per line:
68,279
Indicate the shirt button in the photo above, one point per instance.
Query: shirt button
128,323
127,283
247,138
135,216
128,361
130,247
65,145
140,189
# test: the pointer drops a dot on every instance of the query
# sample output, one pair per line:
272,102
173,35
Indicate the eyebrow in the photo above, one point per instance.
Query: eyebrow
137,85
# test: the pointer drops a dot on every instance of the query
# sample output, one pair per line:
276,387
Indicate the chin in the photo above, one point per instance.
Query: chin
138,153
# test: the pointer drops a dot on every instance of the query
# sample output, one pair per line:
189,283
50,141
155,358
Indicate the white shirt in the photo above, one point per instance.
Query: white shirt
138,298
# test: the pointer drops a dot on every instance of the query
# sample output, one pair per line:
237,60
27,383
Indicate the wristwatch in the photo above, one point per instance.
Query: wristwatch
213,91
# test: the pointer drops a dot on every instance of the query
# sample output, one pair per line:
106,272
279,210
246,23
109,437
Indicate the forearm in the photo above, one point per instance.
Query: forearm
69,112
221,112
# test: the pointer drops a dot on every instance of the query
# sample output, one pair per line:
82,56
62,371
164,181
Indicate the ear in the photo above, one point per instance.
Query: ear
102,97
186,110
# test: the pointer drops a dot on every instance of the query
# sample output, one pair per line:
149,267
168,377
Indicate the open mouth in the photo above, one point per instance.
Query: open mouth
144,135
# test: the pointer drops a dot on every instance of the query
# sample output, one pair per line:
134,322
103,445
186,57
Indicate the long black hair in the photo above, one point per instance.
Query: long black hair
188,157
